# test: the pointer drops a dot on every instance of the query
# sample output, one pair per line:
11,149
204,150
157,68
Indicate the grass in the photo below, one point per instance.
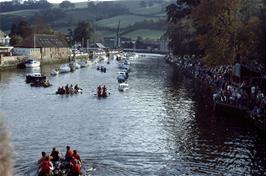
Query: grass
145,33
125,20
155,9
25,13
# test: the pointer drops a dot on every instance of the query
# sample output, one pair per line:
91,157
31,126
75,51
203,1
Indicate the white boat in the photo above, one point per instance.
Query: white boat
32,63
77,66
54,72
64,68
123,87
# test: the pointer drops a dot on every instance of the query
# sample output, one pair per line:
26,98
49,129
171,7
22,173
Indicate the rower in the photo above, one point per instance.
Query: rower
99,90
69,154
55,155
74,168
104,91
42,158
76,155
46,167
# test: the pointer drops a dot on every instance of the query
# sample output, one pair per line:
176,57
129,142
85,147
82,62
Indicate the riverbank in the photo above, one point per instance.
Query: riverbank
243,99
11,62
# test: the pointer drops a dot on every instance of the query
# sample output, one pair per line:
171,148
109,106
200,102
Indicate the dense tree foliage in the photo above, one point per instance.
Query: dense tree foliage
222,29
66,4
83,33
10,6
24,29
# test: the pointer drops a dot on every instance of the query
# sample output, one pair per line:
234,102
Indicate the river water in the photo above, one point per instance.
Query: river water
163,125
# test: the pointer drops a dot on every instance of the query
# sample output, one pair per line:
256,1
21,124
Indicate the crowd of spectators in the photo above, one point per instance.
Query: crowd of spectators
245,93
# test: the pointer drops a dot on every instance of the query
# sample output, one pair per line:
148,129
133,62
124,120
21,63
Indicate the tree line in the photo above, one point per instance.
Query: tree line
83,32
222,32
10,6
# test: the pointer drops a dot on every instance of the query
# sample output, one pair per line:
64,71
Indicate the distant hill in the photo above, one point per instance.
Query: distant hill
135,17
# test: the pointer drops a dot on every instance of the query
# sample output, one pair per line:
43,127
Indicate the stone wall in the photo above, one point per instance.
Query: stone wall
10,61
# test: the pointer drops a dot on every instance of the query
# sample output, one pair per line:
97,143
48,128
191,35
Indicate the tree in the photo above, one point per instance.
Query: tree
180,29
83,32
24,29
15,39
221,32
66,4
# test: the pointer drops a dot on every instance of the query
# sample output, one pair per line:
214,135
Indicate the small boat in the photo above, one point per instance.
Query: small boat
121,78
32,63
123,87
54,72
77,66
64,68
124,74
35,77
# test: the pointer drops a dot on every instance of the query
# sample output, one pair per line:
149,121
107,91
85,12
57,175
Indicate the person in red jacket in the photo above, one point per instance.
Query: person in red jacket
76,155
45,167
74,168
69,154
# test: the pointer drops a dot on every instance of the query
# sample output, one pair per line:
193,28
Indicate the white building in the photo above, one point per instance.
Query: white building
4,39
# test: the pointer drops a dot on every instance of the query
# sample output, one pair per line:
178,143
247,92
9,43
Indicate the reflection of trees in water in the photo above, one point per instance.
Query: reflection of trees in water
201,141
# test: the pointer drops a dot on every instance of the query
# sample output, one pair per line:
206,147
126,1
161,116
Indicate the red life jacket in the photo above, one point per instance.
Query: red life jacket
45,167
69,153
76,156
76,168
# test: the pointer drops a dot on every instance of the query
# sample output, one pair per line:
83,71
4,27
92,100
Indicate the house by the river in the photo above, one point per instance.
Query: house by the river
43,47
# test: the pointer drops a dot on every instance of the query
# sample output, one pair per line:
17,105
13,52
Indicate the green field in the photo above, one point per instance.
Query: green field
21,13
145,33
125,20
81,13
155,9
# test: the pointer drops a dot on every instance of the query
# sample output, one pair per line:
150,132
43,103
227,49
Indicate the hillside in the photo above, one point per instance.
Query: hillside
105,21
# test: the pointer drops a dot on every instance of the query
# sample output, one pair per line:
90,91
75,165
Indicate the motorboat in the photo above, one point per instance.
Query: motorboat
77,66
35,77
55,72
123,87
32,63
124,74
121,77
64,68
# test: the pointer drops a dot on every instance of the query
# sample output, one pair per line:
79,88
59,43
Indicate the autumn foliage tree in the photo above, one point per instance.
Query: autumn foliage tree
221,32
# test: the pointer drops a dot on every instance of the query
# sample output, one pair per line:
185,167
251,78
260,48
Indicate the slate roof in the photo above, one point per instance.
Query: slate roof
43,41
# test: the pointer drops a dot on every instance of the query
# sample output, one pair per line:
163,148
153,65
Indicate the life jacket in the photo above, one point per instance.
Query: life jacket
76,168
45,167
76,156
69,153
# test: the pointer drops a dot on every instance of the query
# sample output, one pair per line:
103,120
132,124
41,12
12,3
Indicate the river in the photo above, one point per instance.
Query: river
164,124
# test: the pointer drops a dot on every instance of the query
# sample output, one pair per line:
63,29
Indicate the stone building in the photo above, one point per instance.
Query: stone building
43,47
